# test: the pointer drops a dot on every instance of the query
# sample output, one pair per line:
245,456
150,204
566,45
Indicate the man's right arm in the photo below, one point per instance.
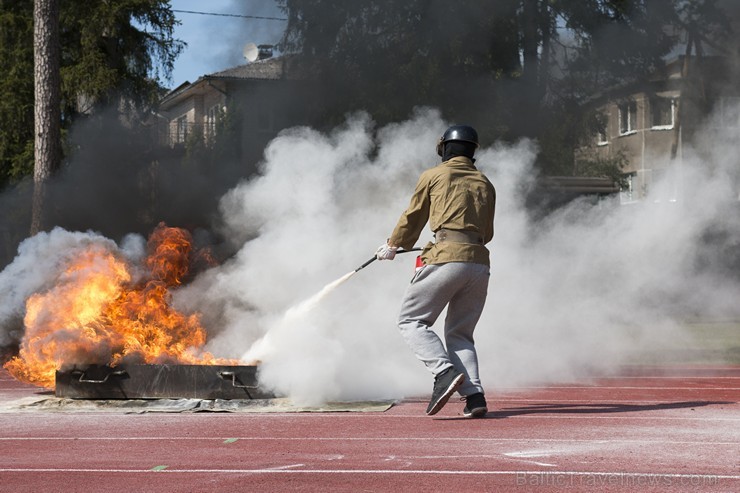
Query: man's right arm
415,217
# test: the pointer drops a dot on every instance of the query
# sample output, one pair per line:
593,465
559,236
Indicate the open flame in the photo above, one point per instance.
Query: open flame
99,312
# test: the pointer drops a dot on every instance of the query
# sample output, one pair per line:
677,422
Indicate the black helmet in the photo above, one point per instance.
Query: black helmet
463,133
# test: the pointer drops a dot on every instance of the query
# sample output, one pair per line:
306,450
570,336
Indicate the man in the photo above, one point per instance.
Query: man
459,203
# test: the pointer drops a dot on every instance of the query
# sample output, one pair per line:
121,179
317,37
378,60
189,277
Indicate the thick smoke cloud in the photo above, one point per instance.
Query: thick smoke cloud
119,180
584,290
577,293
319,209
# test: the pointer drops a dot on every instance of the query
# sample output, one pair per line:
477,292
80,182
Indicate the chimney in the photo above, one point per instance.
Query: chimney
265,51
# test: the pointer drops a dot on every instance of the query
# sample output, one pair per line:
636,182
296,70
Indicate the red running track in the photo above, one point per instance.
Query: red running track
672,430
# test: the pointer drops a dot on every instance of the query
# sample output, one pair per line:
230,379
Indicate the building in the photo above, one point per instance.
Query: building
649,124
263,96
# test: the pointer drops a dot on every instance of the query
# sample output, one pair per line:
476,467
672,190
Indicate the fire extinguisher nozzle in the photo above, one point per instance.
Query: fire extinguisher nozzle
366,263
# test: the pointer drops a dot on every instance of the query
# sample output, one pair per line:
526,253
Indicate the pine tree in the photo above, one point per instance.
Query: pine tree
113,53
47,108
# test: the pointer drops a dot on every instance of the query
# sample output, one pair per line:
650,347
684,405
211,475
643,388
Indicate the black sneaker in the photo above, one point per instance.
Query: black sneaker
445,384
475,406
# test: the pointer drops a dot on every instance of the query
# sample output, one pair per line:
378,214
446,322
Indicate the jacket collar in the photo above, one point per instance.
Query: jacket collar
460,161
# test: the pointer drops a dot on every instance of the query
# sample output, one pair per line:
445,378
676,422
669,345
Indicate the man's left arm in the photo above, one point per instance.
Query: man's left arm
488,233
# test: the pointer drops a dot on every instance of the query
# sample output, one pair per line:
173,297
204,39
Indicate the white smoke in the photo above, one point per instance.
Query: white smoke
319,209
583,290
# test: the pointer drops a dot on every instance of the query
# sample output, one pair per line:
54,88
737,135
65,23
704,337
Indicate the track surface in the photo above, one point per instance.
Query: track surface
666,430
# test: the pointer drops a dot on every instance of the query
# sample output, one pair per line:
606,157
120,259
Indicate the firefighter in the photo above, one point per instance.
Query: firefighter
459,203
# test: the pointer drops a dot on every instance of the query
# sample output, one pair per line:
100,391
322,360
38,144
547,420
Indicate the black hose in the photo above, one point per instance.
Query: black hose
374,258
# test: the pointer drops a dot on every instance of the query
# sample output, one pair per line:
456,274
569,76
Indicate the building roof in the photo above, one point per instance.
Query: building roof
268,69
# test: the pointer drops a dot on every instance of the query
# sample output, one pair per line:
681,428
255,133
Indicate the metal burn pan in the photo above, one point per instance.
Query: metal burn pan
160,382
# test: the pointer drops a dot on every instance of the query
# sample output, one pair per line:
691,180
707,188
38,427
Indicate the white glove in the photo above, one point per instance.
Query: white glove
386,252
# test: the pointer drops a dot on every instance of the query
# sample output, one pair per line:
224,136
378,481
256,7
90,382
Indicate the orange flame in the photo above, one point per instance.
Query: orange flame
96,314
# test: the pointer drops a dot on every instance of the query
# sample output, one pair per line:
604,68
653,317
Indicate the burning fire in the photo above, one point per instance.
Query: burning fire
100,313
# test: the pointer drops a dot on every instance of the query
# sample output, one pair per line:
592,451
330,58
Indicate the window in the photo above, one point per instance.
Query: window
181,129
211,119
627,118
601,136
663,112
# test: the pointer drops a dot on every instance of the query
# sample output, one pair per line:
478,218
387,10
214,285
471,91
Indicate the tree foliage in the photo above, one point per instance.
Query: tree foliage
16,89
117,49
512,67
112,53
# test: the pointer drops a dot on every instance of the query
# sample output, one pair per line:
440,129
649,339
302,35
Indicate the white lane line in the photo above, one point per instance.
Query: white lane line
383,439
528,458
523,457
283,468
435,472
542,464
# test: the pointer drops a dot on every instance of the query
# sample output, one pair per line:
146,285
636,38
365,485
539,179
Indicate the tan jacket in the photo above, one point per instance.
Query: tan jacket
452,195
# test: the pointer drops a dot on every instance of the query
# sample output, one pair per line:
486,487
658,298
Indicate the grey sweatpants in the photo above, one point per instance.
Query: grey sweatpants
462,287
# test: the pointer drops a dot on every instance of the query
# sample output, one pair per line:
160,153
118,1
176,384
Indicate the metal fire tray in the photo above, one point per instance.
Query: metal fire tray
160,382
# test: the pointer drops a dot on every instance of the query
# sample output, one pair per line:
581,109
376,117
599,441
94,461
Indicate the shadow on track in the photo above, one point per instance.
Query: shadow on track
593,408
